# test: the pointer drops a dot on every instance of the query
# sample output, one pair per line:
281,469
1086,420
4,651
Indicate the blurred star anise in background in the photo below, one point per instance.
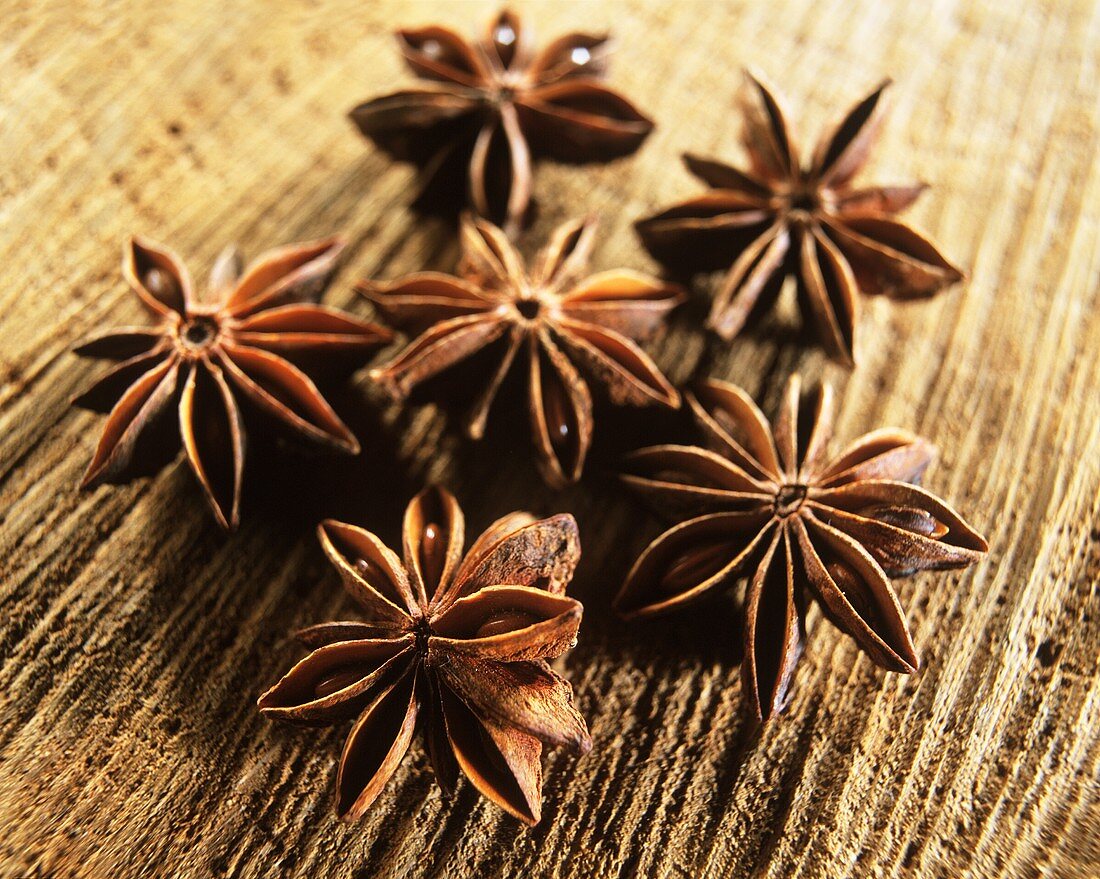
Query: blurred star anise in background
493,106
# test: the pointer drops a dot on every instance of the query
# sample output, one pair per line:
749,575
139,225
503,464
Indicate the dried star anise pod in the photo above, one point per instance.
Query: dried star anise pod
455,646
243,342
783,218
495,105
554,313
774,504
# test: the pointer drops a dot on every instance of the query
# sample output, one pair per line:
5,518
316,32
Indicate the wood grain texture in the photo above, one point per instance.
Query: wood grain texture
134,637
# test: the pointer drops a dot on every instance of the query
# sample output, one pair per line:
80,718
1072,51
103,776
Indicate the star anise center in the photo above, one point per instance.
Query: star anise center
789,499
422,630
501,86
529,309
196,333
804,200
503,89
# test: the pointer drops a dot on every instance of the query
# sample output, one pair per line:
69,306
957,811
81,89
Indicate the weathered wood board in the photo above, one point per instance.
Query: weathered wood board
134,637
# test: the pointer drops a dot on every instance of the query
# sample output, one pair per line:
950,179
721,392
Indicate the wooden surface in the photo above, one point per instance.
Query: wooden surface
134,637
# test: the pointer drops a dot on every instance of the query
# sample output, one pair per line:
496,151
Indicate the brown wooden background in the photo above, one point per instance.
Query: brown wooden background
134,637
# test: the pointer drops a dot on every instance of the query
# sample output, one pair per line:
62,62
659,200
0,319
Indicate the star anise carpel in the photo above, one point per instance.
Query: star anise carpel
553,316
453,645
786,217
246,343
770,504
496,105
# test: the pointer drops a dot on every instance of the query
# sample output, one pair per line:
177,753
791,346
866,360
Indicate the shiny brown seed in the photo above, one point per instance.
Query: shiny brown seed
161,284
558,420
848,583
695,566
505,621
335,683
908,518
842,575
370,571
432,554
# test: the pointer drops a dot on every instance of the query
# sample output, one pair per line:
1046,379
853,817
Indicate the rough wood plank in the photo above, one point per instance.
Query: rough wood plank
134,637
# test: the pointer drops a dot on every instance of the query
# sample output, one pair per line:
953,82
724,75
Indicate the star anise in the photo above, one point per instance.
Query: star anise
774,504
783,218
554,313
456,646
245,342
495,105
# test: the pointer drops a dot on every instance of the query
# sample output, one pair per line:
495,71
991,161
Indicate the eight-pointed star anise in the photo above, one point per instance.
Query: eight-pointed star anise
454,645
783,218
244,341
496,105
775,505
555,313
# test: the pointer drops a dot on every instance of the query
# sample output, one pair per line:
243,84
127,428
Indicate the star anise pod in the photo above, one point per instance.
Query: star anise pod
243,343
555,314
495,105
785,218
774,505
455,646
